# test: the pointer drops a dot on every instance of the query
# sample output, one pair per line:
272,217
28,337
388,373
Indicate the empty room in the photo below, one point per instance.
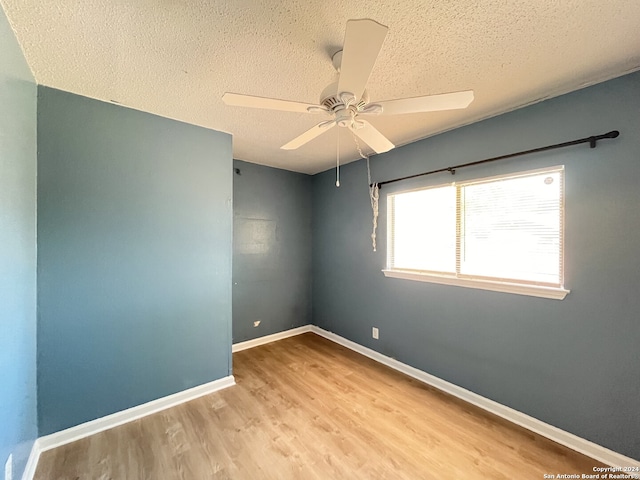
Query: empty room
319,240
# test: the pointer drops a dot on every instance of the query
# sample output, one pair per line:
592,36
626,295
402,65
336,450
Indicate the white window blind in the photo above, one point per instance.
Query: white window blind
429,243
501,229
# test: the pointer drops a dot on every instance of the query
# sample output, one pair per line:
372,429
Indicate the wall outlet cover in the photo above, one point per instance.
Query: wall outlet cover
256,323
375,333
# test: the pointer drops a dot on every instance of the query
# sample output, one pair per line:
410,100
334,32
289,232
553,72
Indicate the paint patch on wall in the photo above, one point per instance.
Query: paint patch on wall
255,235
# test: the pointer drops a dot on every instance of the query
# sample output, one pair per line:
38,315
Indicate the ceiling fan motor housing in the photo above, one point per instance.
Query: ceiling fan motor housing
334,101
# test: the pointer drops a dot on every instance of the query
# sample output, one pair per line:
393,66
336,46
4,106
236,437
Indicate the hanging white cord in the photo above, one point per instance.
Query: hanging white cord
338,160
374,193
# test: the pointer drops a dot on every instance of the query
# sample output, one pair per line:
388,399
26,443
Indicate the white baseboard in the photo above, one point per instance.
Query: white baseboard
115,419
32,462
237,347
567,439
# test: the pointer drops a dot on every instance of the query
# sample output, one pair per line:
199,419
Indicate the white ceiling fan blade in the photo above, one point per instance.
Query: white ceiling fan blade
373,137
250,101
362,43
308,135
428,103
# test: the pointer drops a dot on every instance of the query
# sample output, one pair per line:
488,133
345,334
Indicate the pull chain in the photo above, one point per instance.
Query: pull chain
338,160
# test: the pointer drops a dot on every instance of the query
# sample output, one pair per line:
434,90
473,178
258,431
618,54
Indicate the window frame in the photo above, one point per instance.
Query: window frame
530,288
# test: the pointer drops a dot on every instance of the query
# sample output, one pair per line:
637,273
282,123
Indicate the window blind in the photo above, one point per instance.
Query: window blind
507,228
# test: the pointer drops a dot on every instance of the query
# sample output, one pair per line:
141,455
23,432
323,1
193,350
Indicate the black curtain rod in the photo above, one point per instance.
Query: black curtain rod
590,140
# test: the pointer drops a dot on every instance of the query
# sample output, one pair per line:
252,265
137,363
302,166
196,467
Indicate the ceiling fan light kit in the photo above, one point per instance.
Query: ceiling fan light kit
346,99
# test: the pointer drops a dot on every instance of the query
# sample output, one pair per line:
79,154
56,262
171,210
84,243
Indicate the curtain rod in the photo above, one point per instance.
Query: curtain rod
592,141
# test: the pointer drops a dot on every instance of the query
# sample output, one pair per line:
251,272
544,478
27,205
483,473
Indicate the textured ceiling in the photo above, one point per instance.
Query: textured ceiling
176,58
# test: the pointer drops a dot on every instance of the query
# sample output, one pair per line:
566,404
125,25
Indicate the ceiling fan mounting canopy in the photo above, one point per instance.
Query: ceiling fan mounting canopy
336,60
347,99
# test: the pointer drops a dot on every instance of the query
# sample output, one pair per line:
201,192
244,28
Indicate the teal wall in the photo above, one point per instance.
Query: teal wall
134,258
574,363
17,253
271,250
135,252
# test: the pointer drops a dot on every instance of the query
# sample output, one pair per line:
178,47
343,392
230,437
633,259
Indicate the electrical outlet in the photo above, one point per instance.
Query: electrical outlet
375,333
256,323
8,468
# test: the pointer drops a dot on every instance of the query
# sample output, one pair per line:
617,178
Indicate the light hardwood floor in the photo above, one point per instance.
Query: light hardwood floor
306,408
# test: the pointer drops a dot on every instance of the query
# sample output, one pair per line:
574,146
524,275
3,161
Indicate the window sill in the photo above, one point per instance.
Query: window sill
531,290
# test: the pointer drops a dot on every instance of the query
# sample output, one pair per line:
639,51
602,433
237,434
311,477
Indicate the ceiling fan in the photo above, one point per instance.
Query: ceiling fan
346,100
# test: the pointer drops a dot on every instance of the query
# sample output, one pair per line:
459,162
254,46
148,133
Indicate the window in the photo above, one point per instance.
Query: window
500,233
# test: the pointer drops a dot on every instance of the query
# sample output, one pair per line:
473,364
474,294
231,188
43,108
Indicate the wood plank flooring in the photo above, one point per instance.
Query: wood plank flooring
306,408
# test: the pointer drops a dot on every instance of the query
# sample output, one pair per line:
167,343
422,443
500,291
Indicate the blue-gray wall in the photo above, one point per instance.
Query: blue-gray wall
271,250
17,252
573,363
134,258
